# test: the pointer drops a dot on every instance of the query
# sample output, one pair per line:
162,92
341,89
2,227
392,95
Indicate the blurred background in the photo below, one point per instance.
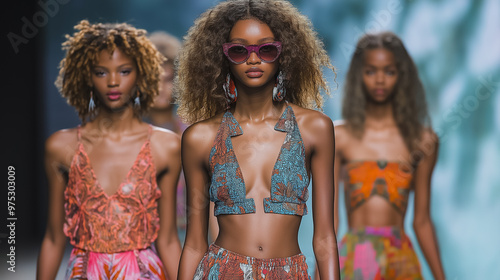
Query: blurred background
455,44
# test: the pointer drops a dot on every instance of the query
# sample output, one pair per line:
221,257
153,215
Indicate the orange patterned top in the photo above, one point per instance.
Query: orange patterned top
126,220
390,180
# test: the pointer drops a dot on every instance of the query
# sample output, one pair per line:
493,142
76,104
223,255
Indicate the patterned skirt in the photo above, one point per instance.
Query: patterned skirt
136,264
378,253
219,263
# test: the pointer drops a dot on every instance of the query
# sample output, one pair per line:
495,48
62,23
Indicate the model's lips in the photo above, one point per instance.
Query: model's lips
114,95
254,72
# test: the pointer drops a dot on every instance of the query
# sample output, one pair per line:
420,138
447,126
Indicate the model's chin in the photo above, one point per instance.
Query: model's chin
378,99
117,107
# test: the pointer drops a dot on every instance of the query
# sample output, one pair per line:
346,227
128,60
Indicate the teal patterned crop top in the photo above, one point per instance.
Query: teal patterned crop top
289,179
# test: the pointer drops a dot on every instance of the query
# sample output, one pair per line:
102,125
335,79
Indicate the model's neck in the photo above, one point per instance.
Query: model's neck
257,104
379,114
115,122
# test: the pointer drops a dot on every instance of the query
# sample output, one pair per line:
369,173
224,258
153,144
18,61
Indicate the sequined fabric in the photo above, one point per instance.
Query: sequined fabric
126,220
390,180
289,179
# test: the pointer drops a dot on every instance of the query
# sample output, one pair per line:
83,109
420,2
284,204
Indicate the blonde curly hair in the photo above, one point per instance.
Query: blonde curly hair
202,66
82,52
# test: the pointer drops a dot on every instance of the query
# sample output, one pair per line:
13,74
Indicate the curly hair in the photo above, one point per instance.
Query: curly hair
202,66
82,52
409,106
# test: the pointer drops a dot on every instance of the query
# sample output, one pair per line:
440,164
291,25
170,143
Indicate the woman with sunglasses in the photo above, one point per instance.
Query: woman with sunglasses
248,74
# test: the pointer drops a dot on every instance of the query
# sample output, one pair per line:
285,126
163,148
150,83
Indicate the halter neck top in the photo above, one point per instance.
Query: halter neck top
391,180
126,220
289,180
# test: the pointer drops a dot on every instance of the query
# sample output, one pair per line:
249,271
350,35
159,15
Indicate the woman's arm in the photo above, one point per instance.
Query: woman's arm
322,140
422,222
54,241
340,141
194,157
167,149
213,226
336,177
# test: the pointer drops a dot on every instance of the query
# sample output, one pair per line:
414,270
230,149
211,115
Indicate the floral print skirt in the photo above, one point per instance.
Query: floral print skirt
219,263
378,253
134,264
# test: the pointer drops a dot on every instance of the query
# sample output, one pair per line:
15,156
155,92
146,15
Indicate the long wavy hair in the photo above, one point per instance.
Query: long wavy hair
409,106
202,66
82,52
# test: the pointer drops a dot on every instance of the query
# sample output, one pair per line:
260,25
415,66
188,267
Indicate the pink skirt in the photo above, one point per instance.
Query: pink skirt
135,264
378,253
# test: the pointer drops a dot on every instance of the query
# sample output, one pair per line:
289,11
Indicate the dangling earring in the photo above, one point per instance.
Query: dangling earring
91,102
137,100
279,90
230,90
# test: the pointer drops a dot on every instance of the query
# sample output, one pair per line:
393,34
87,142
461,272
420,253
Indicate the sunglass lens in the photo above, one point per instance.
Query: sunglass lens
268,52
237,53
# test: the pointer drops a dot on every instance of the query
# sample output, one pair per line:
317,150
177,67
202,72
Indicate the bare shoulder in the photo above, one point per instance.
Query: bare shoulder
312,121
165,147
429,137
342,134
202,132
198,139
61,145
428,142
316,128
165,140
340,127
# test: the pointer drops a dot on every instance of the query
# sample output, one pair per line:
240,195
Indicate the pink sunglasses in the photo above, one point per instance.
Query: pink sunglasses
238,53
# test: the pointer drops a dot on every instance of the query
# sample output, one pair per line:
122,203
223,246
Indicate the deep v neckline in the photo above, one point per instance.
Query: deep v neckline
279,126
123,182
289,178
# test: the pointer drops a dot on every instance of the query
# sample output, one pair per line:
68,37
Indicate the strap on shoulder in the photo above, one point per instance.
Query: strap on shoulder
79,133
150,131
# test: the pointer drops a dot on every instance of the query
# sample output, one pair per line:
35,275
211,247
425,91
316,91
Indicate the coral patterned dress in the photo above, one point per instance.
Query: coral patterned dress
112,234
